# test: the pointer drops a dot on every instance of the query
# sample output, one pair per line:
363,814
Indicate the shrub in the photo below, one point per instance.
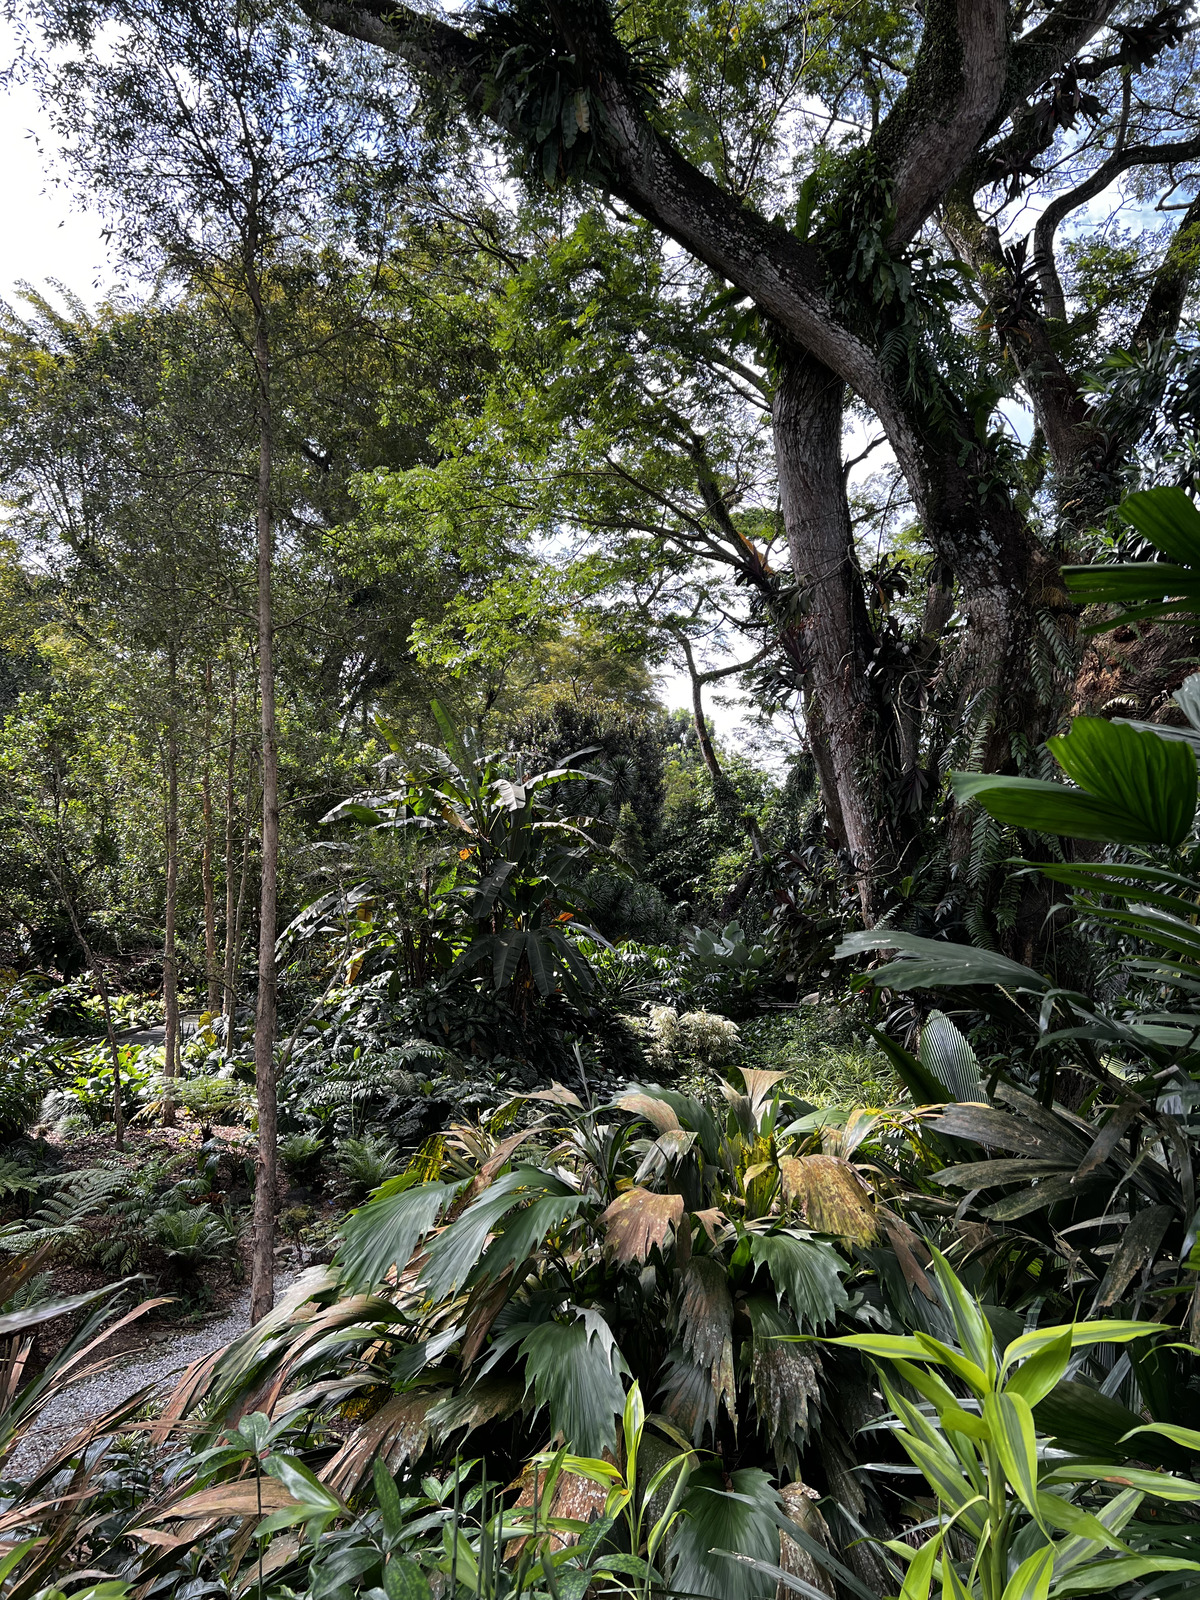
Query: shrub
211,1098
703,1039
301,1155
190,1239
366,1163
22,1090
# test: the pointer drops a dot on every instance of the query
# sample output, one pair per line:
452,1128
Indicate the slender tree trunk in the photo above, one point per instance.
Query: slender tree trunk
230,787
262,1288
253,807
239,915
114,1052
206,865
170,965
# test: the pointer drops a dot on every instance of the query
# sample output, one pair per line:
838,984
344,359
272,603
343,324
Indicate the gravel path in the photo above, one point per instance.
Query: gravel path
160,1364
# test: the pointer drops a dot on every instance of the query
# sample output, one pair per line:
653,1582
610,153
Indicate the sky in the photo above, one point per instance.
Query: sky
46,234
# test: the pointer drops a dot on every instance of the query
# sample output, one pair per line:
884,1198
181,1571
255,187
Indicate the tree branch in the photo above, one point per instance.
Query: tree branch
945,108
1172,282
782,274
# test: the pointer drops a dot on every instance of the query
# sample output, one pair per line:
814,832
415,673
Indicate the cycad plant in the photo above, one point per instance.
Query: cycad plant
511,859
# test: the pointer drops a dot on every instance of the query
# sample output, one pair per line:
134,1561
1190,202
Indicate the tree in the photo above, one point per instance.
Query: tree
842,243
219,141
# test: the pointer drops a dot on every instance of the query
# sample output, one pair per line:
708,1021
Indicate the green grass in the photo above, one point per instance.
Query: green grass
822,1050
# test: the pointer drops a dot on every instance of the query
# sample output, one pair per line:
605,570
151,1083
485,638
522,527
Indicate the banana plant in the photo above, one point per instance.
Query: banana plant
512,857
1012,1517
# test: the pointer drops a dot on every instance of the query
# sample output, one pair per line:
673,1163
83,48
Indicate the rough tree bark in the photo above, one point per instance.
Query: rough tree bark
262,1287
171,840
846,729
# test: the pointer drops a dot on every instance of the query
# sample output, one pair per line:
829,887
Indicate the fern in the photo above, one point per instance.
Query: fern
16,1179
59,1220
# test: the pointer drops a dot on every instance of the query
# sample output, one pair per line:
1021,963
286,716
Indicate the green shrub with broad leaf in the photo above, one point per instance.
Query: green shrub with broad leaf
510,860
1104,1194
1015,1517
516,1283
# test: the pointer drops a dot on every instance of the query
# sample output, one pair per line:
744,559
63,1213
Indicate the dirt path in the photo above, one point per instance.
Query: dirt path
159,1364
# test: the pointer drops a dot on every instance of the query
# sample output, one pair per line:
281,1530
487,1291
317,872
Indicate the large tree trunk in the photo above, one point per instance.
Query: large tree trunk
170,963
848,729
262,1288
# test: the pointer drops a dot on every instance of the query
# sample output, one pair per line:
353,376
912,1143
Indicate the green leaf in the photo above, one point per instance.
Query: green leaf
1015,1438
973,1329
1042,1370
1059,1512
1031,1580
719,1522
1160,1484
383,1234
404,1580
302,1483
975,1376
948,1058
453,1255
15,1555
923,1085
1168,519
1188,1437
808,1271
935,963
953,1587
1134,788
526,1231
1082,1334
1143,588
387,1498
1103,1577
919,1577
886,1346
574,1369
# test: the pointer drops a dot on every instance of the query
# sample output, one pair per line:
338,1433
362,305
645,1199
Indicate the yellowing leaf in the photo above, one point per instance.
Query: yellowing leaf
830,1197
639,1220
657,1112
